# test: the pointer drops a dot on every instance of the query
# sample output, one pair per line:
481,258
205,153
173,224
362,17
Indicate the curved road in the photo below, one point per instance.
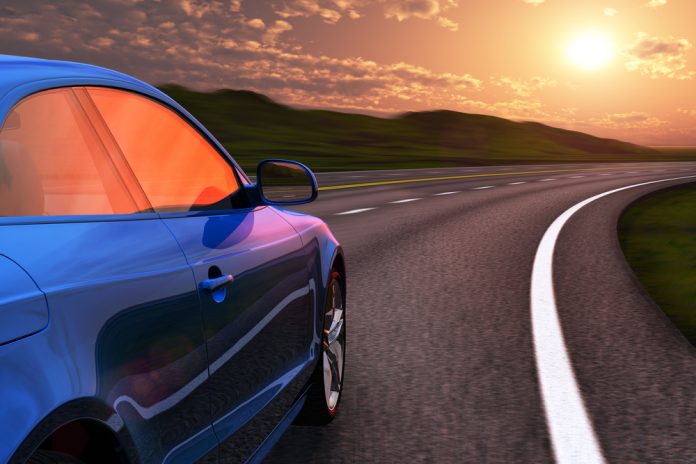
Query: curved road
442,357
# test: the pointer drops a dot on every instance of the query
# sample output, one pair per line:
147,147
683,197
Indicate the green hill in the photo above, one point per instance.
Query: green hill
254,127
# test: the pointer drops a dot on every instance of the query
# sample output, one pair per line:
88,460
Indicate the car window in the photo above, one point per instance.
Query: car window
53,164
179,170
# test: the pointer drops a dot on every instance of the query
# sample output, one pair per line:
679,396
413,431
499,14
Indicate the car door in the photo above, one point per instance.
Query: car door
253,275
125,320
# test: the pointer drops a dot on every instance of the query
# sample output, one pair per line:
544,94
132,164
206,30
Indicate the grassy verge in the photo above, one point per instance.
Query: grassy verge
658,237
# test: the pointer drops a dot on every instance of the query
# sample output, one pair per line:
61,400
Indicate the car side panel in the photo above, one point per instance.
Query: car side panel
259,332
125,329
23,309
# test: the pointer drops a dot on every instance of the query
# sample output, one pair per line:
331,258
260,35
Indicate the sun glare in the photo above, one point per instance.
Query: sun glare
590,50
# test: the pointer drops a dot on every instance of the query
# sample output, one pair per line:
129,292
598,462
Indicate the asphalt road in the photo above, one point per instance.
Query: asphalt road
441,357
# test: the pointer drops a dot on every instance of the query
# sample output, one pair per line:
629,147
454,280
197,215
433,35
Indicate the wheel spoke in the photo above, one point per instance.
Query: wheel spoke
336,327
333,340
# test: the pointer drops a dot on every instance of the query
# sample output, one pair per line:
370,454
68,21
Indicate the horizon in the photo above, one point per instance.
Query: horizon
614,69
396,115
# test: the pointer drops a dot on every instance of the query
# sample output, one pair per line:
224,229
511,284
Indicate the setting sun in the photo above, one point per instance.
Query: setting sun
590,50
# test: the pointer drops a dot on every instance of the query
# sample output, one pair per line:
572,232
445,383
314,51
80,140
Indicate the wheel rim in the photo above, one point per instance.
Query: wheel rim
334,345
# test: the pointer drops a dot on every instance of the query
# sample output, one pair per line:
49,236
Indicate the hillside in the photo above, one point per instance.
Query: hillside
253,127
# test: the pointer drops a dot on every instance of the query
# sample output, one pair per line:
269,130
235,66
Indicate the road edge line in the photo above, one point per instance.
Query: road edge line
573,438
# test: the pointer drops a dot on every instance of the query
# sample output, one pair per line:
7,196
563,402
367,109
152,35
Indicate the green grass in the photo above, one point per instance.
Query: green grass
658,236
253,127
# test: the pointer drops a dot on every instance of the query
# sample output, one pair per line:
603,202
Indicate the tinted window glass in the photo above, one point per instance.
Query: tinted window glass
52,163
176,166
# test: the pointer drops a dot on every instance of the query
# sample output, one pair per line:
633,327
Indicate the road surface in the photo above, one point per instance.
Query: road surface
448,359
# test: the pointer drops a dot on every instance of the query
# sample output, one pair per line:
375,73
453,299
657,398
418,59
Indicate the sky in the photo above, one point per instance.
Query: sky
624,69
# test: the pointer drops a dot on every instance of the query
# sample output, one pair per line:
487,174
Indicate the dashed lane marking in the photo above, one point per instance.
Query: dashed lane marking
467,176
354,211
405,200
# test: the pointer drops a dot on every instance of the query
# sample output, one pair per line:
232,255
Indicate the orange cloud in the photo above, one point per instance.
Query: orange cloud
523,87
630,120
256,23
656,3
688,112
658,57
331,11
273,32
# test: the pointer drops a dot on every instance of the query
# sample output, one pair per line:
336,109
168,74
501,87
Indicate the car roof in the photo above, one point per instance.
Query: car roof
18,70
21,76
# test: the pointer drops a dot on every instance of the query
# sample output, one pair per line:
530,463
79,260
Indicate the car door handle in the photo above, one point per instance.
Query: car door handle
216,283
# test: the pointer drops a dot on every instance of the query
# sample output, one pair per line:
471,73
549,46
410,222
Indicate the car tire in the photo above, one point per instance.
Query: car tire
52,457
324,395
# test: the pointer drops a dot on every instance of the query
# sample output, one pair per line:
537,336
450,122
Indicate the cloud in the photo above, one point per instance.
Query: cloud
534,2
30,36
448,24
212,44
273,32
523,87
514,109
256,23
423,9
331,11
611,12
688,112
658,57
630,120
656,3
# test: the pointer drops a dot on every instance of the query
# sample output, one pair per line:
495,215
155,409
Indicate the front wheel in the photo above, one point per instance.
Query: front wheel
324,396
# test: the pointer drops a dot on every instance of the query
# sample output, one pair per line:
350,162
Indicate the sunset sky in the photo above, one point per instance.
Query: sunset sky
617,68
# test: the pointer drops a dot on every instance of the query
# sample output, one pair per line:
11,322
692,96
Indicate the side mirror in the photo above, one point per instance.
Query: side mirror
281,182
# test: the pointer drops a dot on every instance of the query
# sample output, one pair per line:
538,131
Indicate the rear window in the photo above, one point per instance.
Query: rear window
53,164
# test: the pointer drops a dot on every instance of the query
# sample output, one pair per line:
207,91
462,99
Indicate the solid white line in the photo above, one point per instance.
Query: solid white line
407,200
546,180
516,183
573,438
354,211
447,193
484,187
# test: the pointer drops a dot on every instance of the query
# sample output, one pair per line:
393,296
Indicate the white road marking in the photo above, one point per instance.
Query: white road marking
484,187
406,200
546,180
516,183
446,193
605,174
576,177
573,438
354,211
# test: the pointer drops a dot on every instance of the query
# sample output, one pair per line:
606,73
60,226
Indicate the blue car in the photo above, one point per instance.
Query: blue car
155,304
